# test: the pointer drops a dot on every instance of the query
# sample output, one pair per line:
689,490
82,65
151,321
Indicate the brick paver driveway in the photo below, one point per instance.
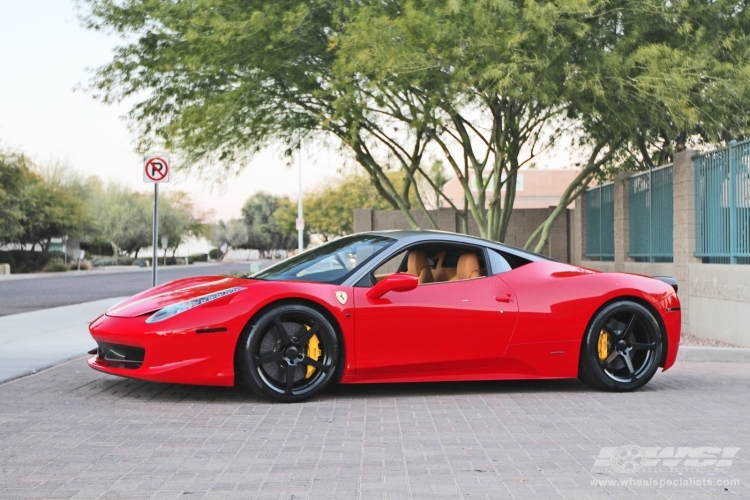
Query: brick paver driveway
70,432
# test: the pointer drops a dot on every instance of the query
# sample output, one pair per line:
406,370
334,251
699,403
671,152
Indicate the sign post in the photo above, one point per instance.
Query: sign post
78,255
164,243
155,171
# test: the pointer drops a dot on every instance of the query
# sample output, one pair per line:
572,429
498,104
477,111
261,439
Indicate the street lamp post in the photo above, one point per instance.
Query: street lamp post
300,219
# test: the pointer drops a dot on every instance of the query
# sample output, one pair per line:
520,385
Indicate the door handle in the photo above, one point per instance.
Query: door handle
503,298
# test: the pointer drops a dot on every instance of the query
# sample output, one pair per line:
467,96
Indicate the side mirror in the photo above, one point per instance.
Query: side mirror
400,282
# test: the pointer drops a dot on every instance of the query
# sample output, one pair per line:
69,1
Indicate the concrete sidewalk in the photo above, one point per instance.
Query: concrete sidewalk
36,340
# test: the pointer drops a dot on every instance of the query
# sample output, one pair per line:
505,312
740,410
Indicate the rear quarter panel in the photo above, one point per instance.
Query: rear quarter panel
556,303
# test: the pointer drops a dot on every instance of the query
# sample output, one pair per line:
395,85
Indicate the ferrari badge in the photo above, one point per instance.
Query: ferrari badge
342,297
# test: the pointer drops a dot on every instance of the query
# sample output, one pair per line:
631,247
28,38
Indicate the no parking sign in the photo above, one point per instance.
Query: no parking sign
156,169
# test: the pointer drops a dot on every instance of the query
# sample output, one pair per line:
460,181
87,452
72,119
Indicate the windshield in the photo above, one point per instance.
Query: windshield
332,262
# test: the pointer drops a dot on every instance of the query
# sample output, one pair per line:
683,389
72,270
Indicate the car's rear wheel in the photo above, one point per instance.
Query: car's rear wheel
289,354
622,348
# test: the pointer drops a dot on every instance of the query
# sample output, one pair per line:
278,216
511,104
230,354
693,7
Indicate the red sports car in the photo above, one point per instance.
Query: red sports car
400,306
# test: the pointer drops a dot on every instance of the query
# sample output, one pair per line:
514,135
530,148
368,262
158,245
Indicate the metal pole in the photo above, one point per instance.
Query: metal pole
732,205
155,258
299,198
650,215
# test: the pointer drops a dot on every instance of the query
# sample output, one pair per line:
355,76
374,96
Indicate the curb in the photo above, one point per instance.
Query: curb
715,354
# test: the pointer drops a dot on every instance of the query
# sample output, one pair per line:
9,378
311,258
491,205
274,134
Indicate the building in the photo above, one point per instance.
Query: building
535,188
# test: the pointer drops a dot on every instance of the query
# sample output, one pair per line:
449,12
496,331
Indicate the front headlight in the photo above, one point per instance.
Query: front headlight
180,307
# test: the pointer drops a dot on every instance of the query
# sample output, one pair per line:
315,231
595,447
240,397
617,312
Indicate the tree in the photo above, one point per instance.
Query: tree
264,232
236,233
385,79
434,182
33,209
483,85
655,79
329,210
178,220
14,175
124,218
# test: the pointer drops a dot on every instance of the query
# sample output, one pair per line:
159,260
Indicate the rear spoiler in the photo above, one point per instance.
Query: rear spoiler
668,280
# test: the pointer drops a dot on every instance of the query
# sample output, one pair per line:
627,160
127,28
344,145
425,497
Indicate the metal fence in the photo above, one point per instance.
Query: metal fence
651,205
722,204
600,221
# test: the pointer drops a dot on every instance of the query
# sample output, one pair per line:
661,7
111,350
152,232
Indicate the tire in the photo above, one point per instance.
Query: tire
622,348
290,354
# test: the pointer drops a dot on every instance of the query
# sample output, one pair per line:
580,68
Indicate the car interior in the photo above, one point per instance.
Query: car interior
436,264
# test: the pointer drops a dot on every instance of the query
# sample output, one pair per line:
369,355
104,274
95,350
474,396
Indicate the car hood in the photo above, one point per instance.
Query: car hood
152,300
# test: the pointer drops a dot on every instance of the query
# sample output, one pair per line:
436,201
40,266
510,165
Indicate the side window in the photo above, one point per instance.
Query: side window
437,263
391,266
498,264
514,261
456,263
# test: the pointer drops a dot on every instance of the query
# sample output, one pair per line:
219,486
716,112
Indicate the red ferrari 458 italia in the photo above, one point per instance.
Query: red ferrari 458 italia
395,306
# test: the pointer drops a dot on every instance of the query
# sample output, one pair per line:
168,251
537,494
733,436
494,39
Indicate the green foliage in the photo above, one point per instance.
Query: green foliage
21,261
265,231
14,176
484,85
41,203
199,257
124,218
34,210
55,266
232,234
329,211
177,220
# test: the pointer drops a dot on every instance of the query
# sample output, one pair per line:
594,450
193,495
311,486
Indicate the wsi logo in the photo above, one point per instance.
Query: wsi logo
631,458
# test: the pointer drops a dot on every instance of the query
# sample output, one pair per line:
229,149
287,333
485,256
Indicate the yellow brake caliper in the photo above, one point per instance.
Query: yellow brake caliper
313,351
603,345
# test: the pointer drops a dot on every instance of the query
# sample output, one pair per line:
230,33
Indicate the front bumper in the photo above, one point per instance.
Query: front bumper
129,347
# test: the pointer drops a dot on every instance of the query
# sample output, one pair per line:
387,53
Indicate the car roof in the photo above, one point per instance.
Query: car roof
414,236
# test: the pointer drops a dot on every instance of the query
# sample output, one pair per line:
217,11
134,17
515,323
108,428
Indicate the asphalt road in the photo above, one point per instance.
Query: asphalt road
23,295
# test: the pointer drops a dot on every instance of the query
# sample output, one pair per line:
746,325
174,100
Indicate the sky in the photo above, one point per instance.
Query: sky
44,56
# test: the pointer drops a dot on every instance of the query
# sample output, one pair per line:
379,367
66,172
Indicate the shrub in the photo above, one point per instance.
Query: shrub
85,265
199,257
214,254
119,261
22,261
55,266
104,261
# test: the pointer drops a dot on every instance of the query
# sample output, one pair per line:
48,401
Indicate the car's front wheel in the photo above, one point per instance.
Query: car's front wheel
622,348
289,354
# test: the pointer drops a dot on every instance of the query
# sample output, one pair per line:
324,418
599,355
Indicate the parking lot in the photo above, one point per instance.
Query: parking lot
70,432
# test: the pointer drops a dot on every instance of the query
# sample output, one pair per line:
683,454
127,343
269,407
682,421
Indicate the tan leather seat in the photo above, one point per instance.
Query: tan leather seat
441,273
418,265
468,267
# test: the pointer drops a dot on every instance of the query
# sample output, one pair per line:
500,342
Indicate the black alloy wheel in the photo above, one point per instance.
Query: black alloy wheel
289,354
622,349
